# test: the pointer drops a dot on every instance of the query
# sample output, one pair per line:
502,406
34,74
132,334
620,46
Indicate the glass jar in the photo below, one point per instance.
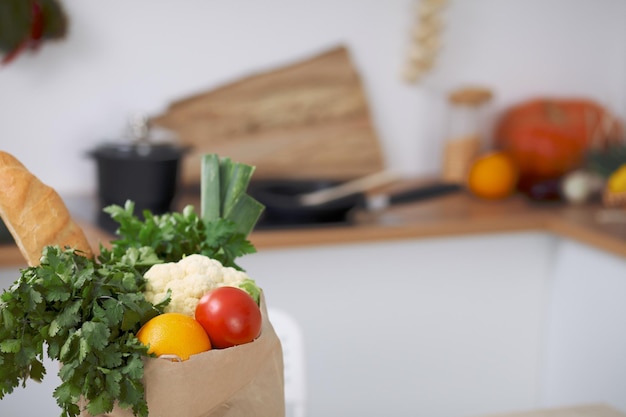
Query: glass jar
465,139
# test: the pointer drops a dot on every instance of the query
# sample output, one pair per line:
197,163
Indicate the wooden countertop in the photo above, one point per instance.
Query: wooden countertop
452,215
462,214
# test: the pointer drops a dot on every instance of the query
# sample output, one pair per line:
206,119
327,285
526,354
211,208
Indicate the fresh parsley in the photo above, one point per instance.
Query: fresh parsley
174,235
86,314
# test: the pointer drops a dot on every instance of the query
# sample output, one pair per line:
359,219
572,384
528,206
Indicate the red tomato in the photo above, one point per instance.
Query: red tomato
230,316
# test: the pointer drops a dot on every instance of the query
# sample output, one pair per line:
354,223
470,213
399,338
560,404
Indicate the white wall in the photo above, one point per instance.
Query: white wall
123,56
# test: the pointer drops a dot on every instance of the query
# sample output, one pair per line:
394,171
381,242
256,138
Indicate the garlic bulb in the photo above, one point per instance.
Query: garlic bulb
579,186
425,39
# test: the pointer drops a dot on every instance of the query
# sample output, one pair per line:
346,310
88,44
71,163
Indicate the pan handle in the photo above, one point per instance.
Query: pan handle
347,188
424,192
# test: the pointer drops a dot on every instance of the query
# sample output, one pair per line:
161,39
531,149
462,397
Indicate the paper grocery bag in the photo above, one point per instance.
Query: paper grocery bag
241,381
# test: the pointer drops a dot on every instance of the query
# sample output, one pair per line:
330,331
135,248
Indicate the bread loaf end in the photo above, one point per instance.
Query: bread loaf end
34,213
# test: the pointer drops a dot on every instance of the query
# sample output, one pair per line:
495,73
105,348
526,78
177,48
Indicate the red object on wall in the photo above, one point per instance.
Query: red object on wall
32,22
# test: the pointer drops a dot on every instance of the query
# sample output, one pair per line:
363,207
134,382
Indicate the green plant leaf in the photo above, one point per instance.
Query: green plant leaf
10,346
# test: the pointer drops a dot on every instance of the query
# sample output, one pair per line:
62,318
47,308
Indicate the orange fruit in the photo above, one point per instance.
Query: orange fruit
174,334
493,176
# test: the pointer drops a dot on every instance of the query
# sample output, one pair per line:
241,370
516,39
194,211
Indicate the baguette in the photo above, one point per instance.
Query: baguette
35,214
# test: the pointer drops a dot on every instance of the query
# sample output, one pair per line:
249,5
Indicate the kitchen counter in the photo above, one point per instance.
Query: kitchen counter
462,214
452,215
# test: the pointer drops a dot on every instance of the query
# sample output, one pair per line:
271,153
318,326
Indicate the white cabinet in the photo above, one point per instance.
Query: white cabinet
431,327
586,329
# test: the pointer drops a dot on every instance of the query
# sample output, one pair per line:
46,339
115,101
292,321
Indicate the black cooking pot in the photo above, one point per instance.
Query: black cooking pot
283,206
144,173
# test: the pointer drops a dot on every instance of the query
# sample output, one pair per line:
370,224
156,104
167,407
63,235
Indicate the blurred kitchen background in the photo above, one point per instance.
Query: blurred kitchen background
501,322
123,57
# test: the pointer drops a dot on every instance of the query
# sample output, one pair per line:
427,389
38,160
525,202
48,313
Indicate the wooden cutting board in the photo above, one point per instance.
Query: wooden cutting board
309,119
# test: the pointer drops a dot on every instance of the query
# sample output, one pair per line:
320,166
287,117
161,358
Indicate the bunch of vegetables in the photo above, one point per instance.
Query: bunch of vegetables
549,138
86,312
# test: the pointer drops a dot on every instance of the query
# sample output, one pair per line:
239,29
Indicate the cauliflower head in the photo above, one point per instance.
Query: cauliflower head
189,279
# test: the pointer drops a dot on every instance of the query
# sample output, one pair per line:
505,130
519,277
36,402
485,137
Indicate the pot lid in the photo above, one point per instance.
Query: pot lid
142,142
154,152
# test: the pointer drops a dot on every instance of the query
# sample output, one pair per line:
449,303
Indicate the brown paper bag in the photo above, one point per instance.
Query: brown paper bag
241,381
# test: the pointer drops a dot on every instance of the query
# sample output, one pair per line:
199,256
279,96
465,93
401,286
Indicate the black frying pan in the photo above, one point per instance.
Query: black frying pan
283,207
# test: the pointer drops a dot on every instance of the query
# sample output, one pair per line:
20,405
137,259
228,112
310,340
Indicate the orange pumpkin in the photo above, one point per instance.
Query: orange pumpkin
550,137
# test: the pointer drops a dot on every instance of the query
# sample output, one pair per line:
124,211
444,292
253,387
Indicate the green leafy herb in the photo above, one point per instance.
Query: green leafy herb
228,215
174,235
87,315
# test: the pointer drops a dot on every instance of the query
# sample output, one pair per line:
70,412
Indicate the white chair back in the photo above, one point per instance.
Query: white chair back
290,334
